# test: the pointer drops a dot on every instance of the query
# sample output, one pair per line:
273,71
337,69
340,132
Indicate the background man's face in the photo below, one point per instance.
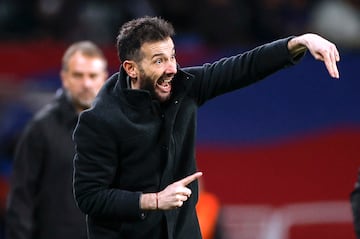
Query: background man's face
83,79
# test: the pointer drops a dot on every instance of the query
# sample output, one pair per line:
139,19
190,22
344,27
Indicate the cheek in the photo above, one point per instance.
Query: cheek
156,75
67,84
74,86
153,73
98,85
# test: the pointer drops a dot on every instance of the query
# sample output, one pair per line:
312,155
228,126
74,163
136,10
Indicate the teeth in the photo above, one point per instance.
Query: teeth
161,81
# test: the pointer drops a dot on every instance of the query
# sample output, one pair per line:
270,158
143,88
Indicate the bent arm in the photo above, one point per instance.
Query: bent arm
95,168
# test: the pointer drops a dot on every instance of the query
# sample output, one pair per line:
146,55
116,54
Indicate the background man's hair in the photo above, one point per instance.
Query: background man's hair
87,48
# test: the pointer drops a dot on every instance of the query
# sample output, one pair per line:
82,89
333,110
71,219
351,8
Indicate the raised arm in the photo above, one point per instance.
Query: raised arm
320,48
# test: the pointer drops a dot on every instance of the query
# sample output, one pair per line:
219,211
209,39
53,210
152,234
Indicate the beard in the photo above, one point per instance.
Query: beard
83,104
148,84
80,103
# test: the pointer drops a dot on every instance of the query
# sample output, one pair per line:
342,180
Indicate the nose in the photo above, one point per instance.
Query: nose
171,68
87,82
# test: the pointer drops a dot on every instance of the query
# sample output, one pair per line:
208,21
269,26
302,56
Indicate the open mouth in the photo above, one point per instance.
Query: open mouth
164,84
162,81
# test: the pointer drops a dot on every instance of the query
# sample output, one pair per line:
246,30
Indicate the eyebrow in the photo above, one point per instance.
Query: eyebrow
156,55
161,54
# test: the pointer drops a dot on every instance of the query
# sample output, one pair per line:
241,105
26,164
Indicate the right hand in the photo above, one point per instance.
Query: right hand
174,195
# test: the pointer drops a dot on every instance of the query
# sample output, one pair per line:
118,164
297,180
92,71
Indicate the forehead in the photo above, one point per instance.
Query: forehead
81,62
164,47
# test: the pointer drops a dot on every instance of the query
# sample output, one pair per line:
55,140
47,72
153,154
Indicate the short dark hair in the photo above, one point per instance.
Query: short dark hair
135,33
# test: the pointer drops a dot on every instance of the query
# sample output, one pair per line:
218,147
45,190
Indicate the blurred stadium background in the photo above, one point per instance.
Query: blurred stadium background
281,155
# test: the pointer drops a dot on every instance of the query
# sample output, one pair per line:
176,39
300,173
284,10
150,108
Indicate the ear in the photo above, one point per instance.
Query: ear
63,78
130,68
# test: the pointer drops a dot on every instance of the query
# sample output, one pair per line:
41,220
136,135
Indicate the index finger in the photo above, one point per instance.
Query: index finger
187,180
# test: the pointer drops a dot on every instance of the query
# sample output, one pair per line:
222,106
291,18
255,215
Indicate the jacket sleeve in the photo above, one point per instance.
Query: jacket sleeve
231,73
20,220
95,165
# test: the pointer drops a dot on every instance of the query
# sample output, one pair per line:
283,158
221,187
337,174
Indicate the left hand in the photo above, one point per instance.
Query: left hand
320,48
175,194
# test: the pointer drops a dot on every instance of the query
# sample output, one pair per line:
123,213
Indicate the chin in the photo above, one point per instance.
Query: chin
85,104
163,98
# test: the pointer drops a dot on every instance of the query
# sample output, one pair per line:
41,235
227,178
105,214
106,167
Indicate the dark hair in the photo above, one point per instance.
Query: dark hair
135,33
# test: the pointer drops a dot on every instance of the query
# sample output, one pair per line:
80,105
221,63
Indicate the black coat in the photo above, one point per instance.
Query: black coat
128,144
41,204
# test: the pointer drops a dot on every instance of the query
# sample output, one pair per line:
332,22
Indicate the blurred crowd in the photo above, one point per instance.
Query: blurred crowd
214,22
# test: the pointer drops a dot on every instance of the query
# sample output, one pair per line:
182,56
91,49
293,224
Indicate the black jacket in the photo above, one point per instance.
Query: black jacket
40,203
128,144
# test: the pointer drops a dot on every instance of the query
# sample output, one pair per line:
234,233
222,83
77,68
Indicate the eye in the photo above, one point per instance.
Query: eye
158,61
77,75
93,75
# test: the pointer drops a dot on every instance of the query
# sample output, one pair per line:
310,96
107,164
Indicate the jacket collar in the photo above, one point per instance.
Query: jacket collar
67,112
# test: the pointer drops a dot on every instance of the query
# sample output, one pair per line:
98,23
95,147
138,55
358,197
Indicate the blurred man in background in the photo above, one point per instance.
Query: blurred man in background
40,204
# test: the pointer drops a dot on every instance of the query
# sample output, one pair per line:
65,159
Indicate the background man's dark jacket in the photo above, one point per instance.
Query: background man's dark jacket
129,143
41,204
